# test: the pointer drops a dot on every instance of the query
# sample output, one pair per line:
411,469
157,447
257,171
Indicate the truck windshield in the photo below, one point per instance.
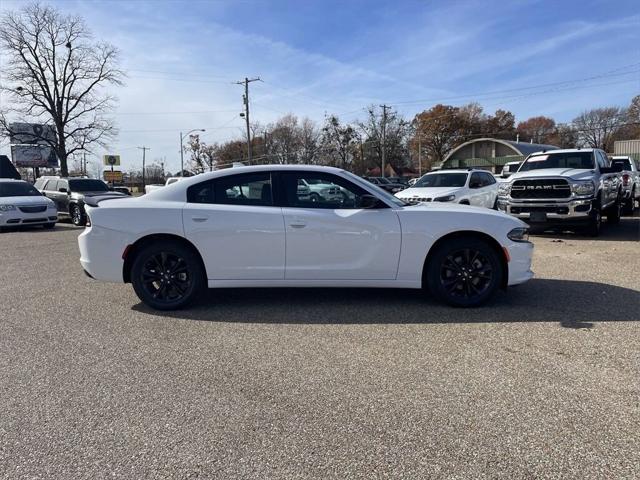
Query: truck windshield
88,185
442,180
579,160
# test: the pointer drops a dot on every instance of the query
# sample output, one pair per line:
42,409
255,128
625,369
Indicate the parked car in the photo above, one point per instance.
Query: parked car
630,181
509,169
564,188
169,181
180,240
22,204
317,190
70,194
465,186
121,189
386,184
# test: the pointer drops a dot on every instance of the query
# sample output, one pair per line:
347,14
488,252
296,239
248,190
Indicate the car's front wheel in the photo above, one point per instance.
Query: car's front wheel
167,275
464,272
77,216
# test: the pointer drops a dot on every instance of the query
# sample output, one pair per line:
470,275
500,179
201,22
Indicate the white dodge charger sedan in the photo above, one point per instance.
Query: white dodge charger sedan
253,227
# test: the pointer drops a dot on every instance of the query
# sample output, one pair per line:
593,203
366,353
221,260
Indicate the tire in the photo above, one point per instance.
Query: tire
49,226
630,204
464,272
167,275
78,217
314,197
595,223
613,213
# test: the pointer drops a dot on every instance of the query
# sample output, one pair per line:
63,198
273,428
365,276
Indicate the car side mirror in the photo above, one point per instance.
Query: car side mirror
369,201
63,190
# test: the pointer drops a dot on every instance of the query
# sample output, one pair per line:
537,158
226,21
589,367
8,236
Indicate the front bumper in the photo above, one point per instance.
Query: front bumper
16,218
548,211
521,255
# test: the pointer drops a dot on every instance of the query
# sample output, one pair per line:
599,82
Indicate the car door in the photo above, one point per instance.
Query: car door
490,188
476,191
63,196
234,224
335,239
50,190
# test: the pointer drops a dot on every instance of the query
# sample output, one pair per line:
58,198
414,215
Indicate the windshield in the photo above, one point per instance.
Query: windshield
88,185
18,189
383,180
442,180
623,162
579,160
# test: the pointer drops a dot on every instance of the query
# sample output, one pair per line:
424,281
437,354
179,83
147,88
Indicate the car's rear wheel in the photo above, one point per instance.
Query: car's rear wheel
167,275
77,217
464,272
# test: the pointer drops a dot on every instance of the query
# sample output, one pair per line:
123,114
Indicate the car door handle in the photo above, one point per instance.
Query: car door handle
199,219
298,224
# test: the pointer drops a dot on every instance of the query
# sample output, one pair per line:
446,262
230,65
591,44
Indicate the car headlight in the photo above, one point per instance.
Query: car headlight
5,208
583,188
520,234
446,198
504,189
51,205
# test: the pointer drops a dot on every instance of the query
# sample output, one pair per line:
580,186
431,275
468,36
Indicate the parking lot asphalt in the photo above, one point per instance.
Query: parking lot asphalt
542,383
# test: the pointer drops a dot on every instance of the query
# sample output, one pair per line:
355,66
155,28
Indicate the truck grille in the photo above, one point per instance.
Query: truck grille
33,209
416,200
540,189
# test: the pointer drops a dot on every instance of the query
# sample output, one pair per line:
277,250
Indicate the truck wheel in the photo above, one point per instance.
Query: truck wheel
613,213
77,217
465,272
167,275
595,223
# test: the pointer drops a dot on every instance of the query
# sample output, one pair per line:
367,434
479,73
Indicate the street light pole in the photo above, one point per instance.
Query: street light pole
182,149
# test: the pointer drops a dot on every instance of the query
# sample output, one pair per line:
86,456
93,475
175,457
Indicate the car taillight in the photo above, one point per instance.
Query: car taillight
625,179
88,222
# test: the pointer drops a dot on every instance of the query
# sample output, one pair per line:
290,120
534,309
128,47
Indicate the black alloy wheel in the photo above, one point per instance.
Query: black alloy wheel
167,276
465,272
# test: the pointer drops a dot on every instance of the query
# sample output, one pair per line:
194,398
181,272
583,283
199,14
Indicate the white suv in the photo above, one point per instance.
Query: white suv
466,186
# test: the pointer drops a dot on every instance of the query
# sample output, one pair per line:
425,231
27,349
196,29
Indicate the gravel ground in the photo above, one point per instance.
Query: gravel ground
542,383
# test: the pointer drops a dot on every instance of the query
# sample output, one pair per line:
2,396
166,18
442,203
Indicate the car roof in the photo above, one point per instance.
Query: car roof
14,180
565,150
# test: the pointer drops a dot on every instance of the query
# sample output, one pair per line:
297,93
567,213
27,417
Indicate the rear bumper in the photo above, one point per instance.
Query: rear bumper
101,253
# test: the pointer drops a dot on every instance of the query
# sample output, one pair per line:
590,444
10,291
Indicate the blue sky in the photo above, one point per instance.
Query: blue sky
318,57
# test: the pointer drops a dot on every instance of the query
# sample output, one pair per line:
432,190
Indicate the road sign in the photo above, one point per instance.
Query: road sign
31,134
33,156
111,160
112,176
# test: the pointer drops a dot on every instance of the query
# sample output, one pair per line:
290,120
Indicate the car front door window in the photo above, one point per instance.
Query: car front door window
318,190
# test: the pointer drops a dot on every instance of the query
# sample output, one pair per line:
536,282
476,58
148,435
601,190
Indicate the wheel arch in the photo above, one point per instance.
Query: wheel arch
469,234
133,249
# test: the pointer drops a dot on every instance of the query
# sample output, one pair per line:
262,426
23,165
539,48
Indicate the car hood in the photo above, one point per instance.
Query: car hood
464,213
98,194
572,173
428,192
25,200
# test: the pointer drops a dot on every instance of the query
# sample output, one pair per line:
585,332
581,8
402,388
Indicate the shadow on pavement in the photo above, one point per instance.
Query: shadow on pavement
627,230
573,304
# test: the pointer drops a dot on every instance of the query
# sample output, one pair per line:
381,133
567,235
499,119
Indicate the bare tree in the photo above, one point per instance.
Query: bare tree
55,74
596,128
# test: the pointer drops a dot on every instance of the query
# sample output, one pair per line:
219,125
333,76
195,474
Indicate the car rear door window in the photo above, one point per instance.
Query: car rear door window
245,189
51,186
487,179
320,190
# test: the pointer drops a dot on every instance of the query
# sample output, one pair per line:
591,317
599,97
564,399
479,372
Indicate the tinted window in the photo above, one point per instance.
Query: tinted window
320,190
580,160
246,189
488,179
623,162
442,180
87,185
18,189
476,180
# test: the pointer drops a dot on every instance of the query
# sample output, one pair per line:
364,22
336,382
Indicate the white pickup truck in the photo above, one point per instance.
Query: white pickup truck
630,180
170,180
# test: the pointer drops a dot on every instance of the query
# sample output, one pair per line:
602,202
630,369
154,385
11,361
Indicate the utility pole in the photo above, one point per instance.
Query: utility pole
384,136
144,151
420,156
245,99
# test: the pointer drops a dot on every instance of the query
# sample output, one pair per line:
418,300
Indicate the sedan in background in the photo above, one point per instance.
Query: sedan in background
464,186
173,243
22,204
